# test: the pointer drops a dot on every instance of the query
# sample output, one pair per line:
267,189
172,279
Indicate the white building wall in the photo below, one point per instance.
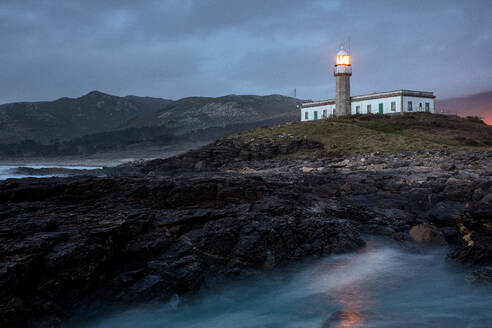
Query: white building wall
375,105
319,109
416,101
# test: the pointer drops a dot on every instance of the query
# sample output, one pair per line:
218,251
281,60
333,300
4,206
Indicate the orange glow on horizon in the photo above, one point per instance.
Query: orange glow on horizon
488,120
343,60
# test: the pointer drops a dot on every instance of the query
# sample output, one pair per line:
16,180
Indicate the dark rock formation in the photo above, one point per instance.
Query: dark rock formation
424,233
481,275
67,241
444,214
149,230
227,151
474,228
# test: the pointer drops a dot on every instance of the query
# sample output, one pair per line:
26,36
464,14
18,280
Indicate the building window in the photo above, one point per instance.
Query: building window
368,109
427,107
410,106
325,113
306,116
357,109
393,106
420,107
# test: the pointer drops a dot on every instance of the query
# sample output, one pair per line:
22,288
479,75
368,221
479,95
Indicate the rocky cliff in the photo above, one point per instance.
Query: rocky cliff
162,227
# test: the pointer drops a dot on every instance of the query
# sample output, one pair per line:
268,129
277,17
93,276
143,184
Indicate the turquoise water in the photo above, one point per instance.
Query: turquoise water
6,171
378,286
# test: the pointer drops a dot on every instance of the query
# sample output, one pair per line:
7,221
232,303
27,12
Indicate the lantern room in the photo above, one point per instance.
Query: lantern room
343,58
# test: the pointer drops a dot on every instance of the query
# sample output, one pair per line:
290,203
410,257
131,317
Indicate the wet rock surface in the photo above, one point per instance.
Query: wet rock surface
168,226
474,229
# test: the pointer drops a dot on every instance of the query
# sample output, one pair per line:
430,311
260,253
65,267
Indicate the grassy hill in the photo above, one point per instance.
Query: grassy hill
384,133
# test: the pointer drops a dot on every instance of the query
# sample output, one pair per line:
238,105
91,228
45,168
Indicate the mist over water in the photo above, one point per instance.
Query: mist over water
7,171
378,286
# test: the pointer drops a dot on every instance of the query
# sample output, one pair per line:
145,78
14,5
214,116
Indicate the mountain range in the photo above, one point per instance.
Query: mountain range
68,118
479,104
189,114
99,122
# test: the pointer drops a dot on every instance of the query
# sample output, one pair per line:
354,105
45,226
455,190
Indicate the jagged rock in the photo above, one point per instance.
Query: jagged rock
423,233
487,199
480,275
421,199
445,213
151,230
474,228
458,190
448,167
200,165
133,238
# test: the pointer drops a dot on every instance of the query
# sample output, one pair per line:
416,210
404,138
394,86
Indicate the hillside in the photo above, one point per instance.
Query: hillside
185,121
150,104
479,104
67,118
381,133
194,113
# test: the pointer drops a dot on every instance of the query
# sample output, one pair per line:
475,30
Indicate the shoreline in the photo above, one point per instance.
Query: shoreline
107,159
225,209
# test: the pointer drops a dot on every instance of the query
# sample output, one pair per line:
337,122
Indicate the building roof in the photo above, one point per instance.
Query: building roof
318,103
375,95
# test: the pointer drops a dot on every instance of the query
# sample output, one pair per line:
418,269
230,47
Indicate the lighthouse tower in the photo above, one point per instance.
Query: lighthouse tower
342,72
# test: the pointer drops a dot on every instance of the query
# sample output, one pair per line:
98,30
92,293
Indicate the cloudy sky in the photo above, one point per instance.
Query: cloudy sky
178,48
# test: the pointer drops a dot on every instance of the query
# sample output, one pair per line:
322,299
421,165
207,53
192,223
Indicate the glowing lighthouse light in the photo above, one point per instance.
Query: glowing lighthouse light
343,60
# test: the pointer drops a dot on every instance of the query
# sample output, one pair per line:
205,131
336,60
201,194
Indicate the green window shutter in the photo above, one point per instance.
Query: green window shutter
380,108
315,115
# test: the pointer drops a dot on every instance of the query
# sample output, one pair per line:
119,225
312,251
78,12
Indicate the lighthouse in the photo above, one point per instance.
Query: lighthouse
342,72
389,102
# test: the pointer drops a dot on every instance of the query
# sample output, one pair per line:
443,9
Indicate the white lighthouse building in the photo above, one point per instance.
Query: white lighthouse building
390,102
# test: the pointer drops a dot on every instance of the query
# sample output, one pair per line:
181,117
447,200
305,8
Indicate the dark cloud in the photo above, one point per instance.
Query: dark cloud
179,48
